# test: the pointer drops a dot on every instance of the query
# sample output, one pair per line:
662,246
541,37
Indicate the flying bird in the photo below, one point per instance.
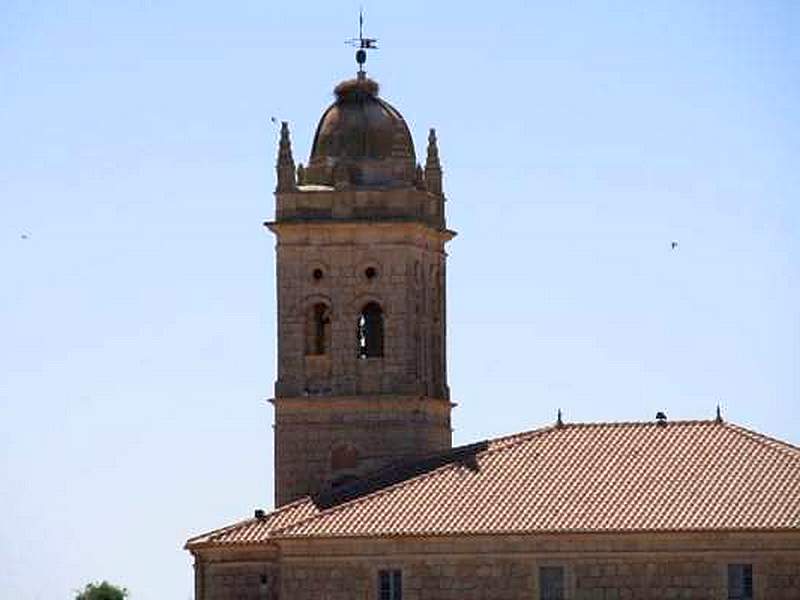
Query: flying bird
24,236
674,245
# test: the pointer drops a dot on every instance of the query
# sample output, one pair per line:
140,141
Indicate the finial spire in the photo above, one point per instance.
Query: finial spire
285,166
559,420
363,44
719,414
433,169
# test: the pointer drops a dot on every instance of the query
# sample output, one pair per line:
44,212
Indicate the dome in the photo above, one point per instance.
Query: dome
361,141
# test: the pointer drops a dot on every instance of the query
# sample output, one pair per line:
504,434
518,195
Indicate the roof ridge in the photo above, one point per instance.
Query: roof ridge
774,444
519,434
639,423
587,424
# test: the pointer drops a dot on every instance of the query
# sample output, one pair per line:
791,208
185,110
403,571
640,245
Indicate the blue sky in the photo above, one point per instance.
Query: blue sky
578,140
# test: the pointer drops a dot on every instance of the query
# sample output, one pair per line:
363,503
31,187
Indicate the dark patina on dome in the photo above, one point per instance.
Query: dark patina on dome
361,141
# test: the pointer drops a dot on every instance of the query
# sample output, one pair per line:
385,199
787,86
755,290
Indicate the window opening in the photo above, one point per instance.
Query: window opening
319,326
370,331
317,274
740,582
344,456
370,273
390,584
551,583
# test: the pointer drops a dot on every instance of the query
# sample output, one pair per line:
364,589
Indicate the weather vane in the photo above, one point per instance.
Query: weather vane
363,44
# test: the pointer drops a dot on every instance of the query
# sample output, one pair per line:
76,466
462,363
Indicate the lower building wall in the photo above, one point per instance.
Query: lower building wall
233,574
516,579
782,580
469,569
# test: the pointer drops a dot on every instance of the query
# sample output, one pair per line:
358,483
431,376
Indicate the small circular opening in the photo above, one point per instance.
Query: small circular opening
370,273
317,274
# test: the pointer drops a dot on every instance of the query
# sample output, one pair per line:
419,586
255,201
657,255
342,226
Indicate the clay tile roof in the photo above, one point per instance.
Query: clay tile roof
594,477
255,531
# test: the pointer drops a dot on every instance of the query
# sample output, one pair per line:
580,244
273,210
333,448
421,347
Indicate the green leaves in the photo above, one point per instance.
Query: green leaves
102,591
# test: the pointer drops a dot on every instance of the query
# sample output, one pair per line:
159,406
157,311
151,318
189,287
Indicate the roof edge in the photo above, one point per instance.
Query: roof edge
196,541
481,534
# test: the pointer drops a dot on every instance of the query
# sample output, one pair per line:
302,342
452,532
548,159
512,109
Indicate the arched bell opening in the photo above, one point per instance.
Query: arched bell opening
370,331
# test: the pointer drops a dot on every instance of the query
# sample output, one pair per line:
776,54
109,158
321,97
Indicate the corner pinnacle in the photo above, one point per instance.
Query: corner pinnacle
433,169
285,166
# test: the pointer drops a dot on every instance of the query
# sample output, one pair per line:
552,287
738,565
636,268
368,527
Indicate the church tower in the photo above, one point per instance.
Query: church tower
362,378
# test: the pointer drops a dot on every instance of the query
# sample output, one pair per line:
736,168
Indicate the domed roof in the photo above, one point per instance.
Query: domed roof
361,140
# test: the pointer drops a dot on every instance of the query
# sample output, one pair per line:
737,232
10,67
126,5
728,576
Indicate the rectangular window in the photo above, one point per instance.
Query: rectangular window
740,582
390,584
551,583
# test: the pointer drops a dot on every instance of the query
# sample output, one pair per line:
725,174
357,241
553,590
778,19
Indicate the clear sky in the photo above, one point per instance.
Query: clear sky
137,314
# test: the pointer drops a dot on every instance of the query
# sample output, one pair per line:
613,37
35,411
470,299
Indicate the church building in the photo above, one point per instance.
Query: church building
372,500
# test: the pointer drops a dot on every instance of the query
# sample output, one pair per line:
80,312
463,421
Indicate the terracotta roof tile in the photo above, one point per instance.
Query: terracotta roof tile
687,475
257,530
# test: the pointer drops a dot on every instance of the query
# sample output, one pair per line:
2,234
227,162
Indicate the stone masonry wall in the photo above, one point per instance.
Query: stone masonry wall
640,567
501,579
671,566
382,408
408,281
380,429
245,580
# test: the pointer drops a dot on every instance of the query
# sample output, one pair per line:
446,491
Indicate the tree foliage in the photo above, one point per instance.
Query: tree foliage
102,591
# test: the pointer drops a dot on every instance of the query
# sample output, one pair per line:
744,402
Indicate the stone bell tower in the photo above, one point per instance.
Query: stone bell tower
362,378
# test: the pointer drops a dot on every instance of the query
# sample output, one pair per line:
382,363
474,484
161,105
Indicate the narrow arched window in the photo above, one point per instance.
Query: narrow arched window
370,331
318,329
